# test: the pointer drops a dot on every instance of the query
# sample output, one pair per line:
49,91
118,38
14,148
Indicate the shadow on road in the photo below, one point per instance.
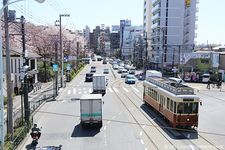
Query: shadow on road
29,147
79,131
161,123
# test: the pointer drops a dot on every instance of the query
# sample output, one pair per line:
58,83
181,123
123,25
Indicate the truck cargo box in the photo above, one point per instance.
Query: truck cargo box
91,109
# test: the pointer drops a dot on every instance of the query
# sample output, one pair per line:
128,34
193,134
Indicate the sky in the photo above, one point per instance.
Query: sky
211,16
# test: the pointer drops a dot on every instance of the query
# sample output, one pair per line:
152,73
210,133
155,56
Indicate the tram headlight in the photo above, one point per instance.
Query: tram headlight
188,119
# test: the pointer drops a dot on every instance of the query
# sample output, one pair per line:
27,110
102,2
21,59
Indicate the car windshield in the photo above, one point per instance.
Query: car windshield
130,77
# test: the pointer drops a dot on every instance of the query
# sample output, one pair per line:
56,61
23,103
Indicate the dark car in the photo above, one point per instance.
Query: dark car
89,77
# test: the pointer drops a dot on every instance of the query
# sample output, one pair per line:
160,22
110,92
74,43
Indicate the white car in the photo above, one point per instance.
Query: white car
132,71
177,80
205,77
115,66
120,69
124,73
127,67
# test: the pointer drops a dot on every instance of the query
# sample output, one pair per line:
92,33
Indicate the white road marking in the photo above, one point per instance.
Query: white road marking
79,92
143,126
85,92
192,147
84,89
141,133
120,113
113,117
125,89
146,149
74,91
135,89
108,122
115,90
142,142
110,90
68,92
80,89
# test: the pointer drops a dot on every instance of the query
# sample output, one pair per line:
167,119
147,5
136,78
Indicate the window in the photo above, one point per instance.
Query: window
175,107
180,108
171,105
195,108
168,103
11,65
188,108
15,66
32,64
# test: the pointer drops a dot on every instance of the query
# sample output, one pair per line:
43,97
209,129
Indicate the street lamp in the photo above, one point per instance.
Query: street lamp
1,74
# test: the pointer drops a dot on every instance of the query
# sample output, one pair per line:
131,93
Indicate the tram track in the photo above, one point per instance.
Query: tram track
171,145
140,125
186,130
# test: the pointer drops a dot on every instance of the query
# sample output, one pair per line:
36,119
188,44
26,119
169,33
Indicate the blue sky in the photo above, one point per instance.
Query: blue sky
211,16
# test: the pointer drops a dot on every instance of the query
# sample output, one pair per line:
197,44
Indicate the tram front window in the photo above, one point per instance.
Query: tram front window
188,108
180,108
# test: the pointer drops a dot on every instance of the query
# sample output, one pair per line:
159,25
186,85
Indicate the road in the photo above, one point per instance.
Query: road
127,124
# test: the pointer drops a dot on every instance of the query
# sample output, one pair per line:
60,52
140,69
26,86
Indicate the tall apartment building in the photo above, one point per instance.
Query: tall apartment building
173,30
147,22
123,24
86,35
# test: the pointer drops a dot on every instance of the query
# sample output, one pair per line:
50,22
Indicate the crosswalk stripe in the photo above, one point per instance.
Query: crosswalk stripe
110,90
85,92
79,92
125,89
115,90
74,91
68,92
135,89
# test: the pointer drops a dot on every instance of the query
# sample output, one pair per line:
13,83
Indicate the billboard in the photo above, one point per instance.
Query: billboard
185,57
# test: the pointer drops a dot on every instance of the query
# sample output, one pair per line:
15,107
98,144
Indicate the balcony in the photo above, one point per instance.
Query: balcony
155,2
156,16
156,9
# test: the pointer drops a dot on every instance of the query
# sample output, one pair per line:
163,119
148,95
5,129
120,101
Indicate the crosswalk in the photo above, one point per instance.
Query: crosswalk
78,90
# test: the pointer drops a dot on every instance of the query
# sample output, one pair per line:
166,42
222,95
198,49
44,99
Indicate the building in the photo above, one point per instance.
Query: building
94,39
16,66
173,29
147,23
123,24
115,29
114,42
129,37
86,33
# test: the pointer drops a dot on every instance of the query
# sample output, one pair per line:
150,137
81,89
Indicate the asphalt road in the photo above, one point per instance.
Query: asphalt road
127,124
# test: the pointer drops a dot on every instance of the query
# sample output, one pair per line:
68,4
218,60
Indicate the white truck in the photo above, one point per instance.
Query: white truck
99,84
91,109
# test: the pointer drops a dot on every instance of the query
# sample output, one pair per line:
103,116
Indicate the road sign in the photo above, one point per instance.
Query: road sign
68,67
55,67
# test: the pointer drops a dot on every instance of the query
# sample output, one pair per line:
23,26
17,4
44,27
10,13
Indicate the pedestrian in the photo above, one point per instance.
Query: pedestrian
208,85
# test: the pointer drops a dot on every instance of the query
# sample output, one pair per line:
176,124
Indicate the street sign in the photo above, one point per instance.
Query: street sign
55,67
68,67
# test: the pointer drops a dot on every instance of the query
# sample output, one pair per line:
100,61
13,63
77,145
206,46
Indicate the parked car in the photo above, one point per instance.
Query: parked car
93,69
124,73
89,77
205,77
177,80
130,79
106,71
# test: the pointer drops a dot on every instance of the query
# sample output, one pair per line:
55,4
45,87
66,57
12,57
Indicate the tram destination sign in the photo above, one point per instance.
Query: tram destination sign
188,100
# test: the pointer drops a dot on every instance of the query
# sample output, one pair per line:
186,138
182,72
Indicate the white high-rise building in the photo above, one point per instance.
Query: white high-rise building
86,33
173,30
147,23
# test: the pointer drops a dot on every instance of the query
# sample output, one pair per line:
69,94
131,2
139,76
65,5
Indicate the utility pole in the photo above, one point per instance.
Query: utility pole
78,53
8,75
173,58
163,48
25,64
146,52
61,48
56,73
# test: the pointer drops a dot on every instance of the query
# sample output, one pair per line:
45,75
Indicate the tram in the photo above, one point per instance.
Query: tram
176,102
